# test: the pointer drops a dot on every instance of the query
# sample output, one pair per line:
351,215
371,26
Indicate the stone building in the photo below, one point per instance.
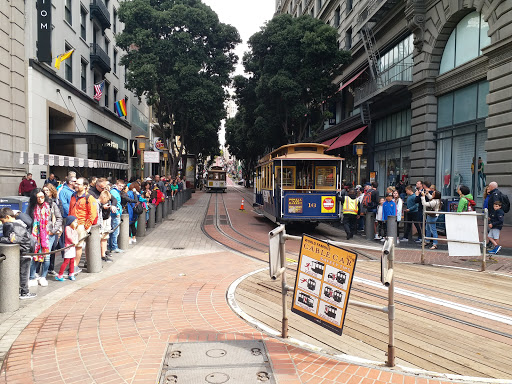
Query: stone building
13,96
429,90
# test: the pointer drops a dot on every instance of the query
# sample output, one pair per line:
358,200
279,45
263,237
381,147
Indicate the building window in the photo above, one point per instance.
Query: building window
337,17
318,6
83,23
107,47
348,39
83,75
69,65
114,21
126,103
349,6
396,64
465,42
106,93
115,61
392,127
67,12
115,95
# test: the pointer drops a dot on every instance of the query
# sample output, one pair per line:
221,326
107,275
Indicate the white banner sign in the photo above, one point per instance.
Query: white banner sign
462,227
151,157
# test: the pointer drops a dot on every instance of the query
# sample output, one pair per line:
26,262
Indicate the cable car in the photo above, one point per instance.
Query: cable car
318,267
311,284
337,296
328,291
298,183
216,179
305,299
341,277
330,311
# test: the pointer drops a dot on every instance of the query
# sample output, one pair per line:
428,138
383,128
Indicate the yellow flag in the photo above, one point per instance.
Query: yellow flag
62,57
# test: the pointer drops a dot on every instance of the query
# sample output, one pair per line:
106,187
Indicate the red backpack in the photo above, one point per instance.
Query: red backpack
367,199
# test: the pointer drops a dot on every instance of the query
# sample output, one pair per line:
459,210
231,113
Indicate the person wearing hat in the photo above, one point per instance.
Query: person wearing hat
351,212
388,209
71,240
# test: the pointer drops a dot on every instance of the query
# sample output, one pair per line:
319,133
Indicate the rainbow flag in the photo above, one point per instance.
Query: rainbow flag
120,107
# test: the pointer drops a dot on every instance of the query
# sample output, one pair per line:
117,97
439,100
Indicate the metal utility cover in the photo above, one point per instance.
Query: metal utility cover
236,361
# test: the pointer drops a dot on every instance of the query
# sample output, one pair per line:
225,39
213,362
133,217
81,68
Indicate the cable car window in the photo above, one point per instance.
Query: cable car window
288,177
325,177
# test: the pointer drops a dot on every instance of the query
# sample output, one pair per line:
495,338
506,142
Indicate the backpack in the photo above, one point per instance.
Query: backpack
471,205
367,199
138,209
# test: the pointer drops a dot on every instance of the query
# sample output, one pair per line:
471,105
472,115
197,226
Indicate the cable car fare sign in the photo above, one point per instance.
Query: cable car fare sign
323,282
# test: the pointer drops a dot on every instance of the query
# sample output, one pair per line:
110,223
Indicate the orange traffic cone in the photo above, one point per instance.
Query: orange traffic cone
242,206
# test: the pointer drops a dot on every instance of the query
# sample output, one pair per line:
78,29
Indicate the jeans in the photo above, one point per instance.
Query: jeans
430,228
24,273
112,240
45,264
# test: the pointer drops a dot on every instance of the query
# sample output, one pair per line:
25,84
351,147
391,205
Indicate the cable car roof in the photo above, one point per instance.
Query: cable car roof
300,151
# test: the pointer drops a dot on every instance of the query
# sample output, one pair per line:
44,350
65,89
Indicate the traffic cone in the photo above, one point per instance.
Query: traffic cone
242,206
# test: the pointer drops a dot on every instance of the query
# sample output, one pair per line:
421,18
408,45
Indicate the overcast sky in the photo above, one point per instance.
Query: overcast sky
247,16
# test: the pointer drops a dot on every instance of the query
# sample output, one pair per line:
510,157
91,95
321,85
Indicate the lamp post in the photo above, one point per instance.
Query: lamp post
166,155
359,151
142,146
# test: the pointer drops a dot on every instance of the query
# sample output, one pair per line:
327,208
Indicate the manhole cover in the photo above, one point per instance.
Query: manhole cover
243,361
178,248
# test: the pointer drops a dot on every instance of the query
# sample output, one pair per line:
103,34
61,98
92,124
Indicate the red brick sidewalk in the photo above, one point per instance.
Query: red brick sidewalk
116,330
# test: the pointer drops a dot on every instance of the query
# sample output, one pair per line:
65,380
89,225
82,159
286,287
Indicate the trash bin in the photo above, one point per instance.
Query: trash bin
16,203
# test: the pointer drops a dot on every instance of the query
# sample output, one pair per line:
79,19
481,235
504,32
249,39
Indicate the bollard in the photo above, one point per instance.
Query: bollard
167,207
392,228
369,225
180,199
174,203
189,194
152,214
124,231
9,277
141,224
93,250
158,215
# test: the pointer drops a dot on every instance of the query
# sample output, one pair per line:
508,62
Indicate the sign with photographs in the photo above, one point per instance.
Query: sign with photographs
323,283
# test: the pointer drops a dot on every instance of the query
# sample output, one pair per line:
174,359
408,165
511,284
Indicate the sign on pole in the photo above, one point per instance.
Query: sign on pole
462,227
151,157
323,283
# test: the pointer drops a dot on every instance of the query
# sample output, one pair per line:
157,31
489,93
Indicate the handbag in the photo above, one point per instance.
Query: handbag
137,209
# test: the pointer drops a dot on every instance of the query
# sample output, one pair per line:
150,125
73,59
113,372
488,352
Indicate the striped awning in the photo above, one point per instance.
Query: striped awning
67,161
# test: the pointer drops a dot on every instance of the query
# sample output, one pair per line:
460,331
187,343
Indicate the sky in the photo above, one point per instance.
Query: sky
247,16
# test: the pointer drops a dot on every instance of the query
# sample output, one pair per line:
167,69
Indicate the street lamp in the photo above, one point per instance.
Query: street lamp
166,155
359,151
142,146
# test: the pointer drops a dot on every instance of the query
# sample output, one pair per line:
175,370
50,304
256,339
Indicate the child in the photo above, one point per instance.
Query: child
15,232
495,225
71,238
104,222
388,209
378,218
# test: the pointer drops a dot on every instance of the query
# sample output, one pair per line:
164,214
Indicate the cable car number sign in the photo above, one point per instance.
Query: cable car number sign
323,283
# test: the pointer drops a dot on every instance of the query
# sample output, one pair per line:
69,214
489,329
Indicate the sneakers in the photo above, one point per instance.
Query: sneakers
72,278
117,250
495,250
78,270
52,273
377,237
57,278
28,296
134,240
32,282
130,242
43,282
404,239
418,241
107,259
382,239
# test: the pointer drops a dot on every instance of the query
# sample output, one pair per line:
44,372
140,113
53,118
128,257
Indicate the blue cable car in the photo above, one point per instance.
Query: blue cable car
298,183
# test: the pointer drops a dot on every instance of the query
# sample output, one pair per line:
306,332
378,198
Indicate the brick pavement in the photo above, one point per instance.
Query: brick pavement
114,327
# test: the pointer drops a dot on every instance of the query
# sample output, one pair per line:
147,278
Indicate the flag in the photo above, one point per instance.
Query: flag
62,57
98,90
120,107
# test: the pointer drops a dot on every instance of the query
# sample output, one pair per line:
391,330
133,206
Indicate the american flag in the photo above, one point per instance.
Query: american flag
98,88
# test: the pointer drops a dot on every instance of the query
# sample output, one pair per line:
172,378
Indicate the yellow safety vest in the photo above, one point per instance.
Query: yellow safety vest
349,206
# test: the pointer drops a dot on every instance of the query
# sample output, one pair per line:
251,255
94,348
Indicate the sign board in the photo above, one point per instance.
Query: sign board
328,204
44,31
133,149
295,205
159,143
43,175
323,283
462,227
151,157
373,177
273,255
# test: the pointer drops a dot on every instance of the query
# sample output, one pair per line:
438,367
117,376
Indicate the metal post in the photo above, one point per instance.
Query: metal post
174,203
369,225
391,310
284,287
151,221
93,250
124,231
392,228
158,214
484,240
423,238
166,208
9,277
141,224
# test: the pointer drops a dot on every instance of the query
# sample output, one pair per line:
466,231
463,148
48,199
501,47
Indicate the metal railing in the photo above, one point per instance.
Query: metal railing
100,56
99,8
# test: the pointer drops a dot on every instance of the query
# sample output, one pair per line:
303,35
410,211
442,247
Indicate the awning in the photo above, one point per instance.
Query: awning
67,161
343,85
346,138
78,135
330,141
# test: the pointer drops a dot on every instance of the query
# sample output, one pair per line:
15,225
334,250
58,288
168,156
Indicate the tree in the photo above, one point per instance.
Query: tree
179,57
293,63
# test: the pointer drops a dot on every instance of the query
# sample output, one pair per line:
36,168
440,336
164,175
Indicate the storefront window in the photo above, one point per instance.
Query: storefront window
395,126
393,166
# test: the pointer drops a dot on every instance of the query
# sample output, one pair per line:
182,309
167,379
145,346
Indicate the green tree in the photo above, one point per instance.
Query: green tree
293,63
179,57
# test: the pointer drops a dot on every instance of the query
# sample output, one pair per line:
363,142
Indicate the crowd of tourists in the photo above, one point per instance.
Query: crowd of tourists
407,204
60,216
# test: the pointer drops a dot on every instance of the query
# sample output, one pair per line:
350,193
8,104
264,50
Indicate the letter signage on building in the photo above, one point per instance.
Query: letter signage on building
44,31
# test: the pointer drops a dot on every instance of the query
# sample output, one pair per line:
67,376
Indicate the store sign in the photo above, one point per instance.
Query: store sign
133,149
295,205
328,204
323,283
159,143
44,31
152,157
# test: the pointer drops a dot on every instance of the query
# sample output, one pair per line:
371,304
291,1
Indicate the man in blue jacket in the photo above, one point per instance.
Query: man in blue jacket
115,191
66,192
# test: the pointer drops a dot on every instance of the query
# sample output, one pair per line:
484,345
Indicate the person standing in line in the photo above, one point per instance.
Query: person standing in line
133,199
496,224
433,205
399,208
27,185
466,202
83,207
52,180
411,214
71,239
104,221
388,209
65,193
351,212
55,225
380,230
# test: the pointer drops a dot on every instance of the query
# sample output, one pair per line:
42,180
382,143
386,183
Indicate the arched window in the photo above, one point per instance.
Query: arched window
466,42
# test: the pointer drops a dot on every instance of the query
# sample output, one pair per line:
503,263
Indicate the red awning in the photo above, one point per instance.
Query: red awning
330,141
343,85
346,138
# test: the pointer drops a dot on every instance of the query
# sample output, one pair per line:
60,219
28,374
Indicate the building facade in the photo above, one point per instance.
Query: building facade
68,129
428,90
13,95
